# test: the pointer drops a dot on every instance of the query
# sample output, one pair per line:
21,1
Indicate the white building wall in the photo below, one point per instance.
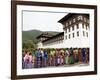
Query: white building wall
54,45
40,45
72,42
78,41
84,39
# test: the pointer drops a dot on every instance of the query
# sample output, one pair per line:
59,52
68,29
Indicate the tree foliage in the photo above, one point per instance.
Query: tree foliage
28,44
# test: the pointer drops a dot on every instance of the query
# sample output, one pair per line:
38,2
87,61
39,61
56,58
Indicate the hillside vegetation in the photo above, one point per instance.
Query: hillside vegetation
29,37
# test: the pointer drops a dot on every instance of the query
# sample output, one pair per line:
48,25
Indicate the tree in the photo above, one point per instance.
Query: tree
28,44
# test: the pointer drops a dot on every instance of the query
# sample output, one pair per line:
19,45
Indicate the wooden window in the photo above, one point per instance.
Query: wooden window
66,24
69,29
72,28
83,33
86,27
70,22
87,34
66,36
83,25
65,30
63,37
77,26
73,20
87,21
69,36
78,33
84,19
73,35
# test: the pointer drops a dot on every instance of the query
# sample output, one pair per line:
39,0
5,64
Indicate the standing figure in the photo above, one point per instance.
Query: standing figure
42,57
34,57
45,58
30,64
55,60
83,54
75,52
53,57
58,59
38,58
28,60
87,55
56,55
50,60
62,55
67,54
71,57
79,55
23,63
62,58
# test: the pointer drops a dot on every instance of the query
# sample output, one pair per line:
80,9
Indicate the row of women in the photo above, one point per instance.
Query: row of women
57,57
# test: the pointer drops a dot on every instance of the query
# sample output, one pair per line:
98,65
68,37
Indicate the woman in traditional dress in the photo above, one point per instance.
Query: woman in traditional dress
83,54
55,60
58,60
71,57
79,55
23,63
62,55
38,58
30,57
50,60
45,58
28,60
56,55
34,57
62,59
67,54
75,52
42,57
87,55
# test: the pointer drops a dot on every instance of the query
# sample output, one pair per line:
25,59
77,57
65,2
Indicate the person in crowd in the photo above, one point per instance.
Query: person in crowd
45,58
52,52
42,57
87,55
38,58
28,60
50,60
30,63
61,59
56,55
48,63
23,63
79,55
34,57
54,60
53,57
58,59
62,56
66,56
83,54
75,53
71,57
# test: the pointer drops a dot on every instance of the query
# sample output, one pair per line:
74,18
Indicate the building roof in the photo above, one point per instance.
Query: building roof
69,16
45,34
59,34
